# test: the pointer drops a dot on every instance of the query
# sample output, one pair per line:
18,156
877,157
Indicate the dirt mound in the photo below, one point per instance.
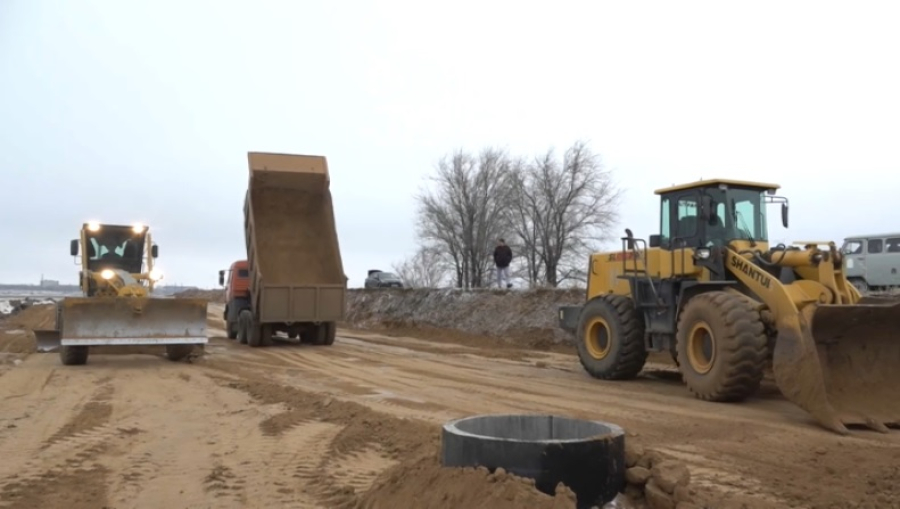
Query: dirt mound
15,335
416,478
519,316
210,295
425,483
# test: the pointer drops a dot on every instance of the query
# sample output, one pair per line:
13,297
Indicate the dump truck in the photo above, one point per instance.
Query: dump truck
711,291
297,284
117,279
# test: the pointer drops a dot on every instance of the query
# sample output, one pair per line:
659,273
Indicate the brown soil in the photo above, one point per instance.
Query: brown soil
425,483
295,239
357,425
217,296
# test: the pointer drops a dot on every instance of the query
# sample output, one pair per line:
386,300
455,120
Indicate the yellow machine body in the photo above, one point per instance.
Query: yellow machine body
725,304
117,278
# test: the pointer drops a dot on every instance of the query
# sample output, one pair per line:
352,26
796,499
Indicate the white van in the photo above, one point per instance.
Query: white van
872,262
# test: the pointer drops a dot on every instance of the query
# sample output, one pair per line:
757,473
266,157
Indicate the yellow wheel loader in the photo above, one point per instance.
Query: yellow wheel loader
117,278
711,291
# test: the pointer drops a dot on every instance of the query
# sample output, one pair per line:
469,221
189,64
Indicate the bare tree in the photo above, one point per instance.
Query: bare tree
561,210
427,268
463,215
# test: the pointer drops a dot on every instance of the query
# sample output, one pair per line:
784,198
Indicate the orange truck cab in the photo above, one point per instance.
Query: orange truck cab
236,281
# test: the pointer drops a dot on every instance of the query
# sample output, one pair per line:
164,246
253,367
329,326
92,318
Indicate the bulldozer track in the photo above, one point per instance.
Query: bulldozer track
139,431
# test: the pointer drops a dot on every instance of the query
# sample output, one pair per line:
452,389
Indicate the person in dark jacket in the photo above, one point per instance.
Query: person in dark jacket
502,258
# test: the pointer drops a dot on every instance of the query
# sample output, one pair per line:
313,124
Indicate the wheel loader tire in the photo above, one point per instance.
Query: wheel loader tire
177,352
610,338
325,334
73,355
722,346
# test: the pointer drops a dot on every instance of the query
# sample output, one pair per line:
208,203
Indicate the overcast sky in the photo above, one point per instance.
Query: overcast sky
128,111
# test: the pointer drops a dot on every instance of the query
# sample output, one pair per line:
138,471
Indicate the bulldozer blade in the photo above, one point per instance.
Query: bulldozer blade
857,349
132,321
47,340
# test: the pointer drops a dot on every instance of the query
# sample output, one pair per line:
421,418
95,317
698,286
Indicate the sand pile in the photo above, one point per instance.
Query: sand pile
15,335
210,295
425,483
523,316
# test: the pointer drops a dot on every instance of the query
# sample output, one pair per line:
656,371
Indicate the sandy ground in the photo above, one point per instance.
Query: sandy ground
357,425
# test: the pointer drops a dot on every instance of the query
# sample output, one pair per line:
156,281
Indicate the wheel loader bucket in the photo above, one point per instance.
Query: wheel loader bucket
128,321
857,348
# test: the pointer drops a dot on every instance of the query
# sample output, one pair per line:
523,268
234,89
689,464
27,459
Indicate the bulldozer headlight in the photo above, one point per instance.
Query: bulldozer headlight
93,227
155,275
107,274
137,228
702,253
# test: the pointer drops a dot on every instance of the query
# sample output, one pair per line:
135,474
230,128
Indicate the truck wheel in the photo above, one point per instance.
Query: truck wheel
232,330
73,355
245,323
722,346
860,285
325,334
610,338
260,335
177,352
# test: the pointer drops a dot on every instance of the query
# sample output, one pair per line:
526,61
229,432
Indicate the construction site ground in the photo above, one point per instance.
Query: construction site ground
357,424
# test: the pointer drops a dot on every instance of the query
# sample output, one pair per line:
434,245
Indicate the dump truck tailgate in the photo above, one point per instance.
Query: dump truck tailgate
302,303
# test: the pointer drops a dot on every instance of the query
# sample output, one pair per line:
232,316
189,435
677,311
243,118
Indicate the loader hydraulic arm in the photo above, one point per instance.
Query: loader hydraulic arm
819,314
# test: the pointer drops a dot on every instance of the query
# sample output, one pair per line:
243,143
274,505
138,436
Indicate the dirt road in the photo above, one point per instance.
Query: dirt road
297,426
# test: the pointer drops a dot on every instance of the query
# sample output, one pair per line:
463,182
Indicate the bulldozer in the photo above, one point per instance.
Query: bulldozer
117,278
710,290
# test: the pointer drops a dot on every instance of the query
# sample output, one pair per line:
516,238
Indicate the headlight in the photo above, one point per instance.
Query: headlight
156,275
137,228
107,274
702,253
93,227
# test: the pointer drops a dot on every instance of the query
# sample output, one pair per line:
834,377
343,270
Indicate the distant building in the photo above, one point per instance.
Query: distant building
49,282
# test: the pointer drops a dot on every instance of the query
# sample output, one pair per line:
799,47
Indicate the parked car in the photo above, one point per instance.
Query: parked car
381,279
872,262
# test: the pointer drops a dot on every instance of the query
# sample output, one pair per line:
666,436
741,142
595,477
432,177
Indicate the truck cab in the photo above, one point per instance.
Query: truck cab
236,280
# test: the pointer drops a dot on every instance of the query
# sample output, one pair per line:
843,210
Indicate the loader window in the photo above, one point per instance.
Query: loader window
665,226
686,226
875,246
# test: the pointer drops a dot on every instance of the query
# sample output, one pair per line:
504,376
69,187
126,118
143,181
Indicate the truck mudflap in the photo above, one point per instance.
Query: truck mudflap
89,321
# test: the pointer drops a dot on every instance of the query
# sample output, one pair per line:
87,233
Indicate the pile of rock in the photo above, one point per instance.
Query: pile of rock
656,481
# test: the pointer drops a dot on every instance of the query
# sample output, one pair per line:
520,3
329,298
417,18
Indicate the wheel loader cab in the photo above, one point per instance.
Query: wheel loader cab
703,215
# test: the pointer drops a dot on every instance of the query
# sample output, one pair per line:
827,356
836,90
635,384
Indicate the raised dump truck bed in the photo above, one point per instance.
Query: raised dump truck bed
297,281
